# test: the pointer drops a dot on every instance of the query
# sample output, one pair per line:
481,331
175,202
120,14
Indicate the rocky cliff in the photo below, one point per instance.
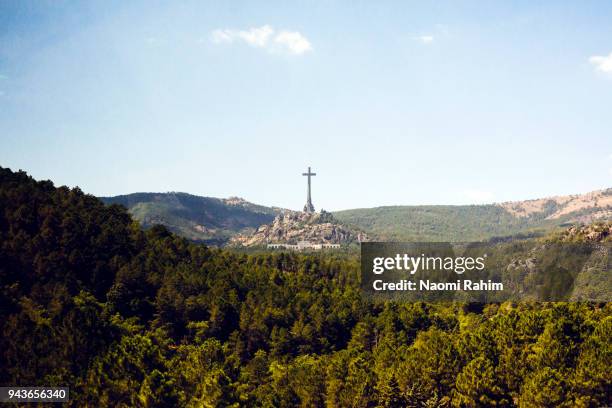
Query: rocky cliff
289,227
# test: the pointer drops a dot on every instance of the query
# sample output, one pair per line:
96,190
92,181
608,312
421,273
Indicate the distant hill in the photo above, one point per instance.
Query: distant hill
201,219
479,222
217,221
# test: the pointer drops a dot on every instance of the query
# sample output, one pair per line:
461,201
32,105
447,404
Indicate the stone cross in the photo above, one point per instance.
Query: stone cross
309,208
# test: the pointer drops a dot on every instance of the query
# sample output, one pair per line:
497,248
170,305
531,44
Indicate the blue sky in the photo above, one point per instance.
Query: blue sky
425,102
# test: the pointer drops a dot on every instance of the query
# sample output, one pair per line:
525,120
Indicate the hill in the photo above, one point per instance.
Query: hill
479,222
143,318
219,221
200,219
289,227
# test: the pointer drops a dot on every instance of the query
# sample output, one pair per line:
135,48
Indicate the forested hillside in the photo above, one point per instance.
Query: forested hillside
459,222
200,219
135,318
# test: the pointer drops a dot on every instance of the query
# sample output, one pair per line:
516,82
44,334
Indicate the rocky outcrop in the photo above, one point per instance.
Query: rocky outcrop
290,227
597,232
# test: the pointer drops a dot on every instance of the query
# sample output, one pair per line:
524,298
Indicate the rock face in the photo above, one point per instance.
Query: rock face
290,227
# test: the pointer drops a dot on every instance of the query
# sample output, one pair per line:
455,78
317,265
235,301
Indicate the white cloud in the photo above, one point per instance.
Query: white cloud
603,64
265,37
425,39
479,196
295,42
256,37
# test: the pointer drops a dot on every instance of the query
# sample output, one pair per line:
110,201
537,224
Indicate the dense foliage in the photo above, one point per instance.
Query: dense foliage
128,317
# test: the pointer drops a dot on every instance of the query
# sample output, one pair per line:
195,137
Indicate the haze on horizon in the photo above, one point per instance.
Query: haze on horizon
446,102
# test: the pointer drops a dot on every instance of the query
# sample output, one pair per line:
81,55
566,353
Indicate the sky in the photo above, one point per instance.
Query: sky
390,103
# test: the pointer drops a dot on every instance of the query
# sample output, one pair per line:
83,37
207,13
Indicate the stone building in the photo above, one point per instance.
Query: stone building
302,245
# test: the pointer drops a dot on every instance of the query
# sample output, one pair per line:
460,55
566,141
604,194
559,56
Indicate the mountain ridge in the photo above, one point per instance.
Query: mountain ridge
218,220
480,222
562,204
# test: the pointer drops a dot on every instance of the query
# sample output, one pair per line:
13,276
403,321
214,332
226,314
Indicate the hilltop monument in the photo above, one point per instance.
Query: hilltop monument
301,230
309,208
